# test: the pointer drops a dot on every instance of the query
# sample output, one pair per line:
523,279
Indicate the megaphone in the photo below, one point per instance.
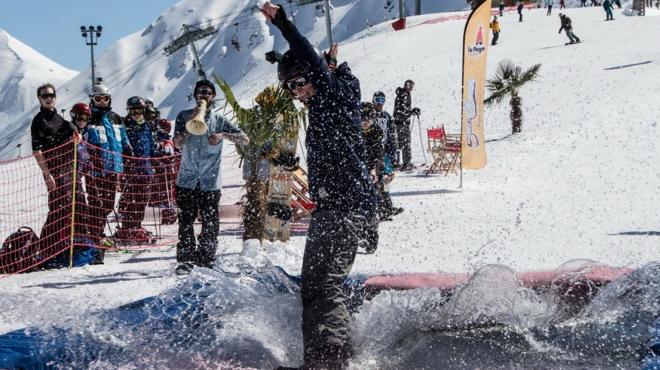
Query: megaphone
196,125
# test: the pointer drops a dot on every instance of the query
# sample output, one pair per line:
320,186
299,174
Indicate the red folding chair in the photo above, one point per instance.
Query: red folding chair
445,149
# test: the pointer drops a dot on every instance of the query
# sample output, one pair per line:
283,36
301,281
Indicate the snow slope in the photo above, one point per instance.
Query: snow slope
580,182
23,70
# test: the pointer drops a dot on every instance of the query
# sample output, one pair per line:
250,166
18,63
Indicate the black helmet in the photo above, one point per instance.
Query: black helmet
135,102
367,110
289,68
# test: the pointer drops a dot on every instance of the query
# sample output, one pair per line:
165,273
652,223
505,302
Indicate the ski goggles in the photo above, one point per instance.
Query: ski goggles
204,92
101,98
379,99
82,117
47,96
296,84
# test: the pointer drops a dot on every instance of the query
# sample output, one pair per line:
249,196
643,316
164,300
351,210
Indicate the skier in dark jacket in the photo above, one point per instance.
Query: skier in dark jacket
339,184
521,6
402,115
138,171
607,5
567,25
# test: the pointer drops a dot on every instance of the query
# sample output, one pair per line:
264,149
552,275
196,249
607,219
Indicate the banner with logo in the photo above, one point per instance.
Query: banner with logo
475,51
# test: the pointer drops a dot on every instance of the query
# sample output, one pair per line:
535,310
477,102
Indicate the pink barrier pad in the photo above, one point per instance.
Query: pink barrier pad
530,279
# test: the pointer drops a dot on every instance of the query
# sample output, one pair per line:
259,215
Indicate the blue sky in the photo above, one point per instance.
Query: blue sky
52,27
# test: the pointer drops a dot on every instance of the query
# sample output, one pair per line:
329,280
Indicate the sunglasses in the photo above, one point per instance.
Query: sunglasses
101,98
204,92
297,83
47,96
379,100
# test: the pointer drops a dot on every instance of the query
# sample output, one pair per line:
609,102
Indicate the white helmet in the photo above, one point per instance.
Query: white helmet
99,89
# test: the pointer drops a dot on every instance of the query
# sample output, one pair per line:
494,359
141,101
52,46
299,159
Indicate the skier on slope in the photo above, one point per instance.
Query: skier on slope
567,25
340,186
402,114
607,5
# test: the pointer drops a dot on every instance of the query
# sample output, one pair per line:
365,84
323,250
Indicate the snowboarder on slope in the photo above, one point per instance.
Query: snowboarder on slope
567,25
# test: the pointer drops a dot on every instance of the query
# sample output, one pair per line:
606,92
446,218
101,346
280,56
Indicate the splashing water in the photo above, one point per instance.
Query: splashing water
242,316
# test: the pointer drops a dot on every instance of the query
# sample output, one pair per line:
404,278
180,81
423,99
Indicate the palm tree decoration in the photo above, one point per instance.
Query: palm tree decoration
508,80
272,118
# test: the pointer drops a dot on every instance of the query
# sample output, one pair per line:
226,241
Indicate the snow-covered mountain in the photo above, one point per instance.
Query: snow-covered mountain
23,70
137,65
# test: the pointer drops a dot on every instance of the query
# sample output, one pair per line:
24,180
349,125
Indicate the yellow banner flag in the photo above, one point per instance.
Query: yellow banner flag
475,53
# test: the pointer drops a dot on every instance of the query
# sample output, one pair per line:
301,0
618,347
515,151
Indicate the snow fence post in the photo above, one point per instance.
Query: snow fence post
73,199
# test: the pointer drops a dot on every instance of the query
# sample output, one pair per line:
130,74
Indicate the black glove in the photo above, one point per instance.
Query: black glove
273,56
415,112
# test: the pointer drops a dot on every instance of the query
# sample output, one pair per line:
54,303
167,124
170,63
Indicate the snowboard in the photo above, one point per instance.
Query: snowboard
279,214
572,43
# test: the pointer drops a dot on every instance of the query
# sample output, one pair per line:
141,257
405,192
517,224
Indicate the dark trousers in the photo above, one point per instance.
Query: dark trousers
56,232
501,11
191,203
134,199
496,35
608,14
519,15
332,242
403,134
549,10
101,192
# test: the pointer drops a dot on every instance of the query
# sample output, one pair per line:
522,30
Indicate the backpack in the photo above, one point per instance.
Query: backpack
16,252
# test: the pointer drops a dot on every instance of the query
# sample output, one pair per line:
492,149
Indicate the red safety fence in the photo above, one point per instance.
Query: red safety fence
120,202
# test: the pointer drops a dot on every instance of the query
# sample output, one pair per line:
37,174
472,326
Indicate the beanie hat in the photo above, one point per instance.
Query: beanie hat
207,83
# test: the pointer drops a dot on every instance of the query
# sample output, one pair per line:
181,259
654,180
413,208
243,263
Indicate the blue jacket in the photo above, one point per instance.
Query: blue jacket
141,138
338,176
106,130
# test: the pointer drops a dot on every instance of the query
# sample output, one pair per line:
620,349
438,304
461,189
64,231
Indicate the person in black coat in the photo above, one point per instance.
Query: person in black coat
340,186
53,149
402,114
521,6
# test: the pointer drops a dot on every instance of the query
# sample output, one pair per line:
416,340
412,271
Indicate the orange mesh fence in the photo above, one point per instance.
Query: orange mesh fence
121,201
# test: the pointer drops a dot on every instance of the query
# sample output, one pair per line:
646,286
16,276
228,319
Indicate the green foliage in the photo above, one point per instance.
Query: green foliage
272,117
508,80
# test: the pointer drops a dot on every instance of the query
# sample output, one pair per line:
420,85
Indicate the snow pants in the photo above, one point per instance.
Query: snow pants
571,35
403,135
496,35
134,199
191,203
608,14
56,231
332,242
101,192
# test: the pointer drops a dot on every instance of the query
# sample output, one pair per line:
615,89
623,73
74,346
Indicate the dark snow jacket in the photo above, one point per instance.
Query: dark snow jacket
402,106
373,137
338,176
49,131
142,141
565,23
384,120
